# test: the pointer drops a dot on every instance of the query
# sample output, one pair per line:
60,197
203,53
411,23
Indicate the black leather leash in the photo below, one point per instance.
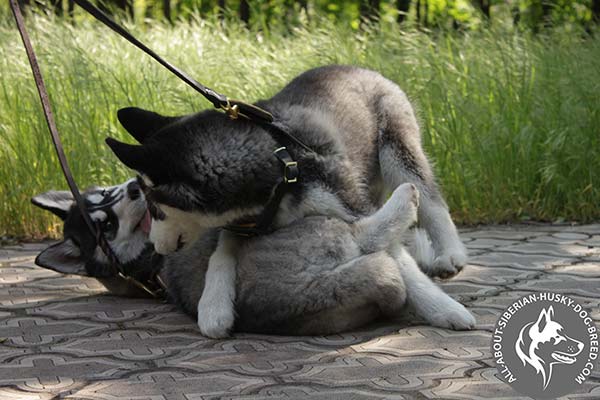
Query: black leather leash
233,108
153,288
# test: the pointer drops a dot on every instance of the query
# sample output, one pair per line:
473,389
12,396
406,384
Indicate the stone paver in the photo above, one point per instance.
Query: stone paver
64,337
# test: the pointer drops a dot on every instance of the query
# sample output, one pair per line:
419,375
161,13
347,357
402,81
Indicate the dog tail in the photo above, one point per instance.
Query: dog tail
421,247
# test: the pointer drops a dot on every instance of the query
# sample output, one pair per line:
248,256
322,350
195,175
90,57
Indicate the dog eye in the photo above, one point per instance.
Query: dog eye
104,193
107,226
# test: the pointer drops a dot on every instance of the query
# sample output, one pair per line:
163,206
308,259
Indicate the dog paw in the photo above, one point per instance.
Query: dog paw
454,316
405,201
448,265
215,320
163,237
407,195
165,247
178,230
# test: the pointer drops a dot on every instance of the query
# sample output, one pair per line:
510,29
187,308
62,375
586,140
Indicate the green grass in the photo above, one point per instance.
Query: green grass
512,122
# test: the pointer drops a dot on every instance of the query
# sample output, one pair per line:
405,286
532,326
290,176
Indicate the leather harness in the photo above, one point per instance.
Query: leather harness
233,108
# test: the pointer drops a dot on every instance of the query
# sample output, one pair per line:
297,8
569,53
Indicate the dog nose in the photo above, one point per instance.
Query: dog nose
133,190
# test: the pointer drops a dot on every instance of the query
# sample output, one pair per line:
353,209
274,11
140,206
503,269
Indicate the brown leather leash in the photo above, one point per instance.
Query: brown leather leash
101,241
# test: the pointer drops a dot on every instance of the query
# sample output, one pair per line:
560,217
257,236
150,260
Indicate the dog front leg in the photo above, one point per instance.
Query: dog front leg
216,314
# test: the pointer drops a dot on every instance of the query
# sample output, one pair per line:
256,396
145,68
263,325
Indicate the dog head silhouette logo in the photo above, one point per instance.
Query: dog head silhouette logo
545,345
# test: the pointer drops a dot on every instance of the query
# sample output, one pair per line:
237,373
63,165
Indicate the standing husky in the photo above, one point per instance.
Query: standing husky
204,170
319,275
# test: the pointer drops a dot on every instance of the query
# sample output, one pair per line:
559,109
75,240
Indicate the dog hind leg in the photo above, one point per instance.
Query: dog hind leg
379,230
421,249
401,160
427,299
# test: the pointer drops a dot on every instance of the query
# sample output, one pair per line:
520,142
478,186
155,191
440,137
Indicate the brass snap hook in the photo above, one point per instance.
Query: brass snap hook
231,111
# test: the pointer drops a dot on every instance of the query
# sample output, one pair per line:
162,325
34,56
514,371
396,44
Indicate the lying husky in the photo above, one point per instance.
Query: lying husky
205,170
319,275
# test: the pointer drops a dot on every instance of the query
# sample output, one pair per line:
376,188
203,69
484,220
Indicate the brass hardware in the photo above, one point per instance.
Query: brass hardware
288,165
140,285
161,283
231,111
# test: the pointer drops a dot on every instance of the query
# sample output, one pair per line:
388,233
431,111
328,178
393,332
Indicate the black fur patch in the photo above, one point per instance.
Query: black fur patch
210,164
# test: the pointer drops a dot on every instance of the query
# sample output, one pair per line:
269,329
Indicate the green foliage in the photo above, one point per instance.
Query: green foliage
537,13
270,16
510,119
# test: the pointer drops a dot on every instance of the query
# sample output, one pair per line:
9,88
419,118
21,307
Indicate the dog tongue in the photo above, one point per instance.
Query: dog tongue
146,223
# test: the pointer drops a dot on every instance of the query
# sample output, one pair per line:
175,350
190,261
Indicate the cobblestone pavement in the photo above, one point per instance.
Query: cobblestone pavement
63,336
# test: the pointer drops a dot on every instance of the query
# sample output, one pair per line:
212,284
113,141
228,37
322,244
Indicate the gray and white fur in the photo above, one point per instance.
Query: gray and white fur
319,275
204,170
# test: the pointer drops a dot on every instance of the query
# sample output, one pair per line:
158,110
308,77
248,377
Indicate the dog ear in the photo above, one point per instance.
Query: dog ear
58,202
64,257
544,318
134,156
141,124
